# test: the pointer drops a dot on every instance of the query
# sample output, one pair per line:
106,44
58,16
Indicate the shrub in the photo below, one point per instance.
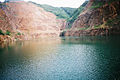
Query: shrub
18,33
1,32
8,32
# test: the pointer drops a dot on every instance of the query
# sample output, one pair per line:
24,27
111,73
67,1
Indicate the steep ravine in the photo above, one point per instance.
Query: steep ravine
98,18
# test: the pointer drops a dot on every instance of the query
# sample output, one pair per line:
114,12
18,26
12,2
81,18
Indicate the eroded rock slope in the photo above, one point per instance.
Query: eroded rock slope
28,21
100,17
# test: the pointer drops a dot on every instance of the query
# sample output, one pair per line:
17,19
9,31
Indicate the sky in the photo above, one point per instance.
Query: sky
59,3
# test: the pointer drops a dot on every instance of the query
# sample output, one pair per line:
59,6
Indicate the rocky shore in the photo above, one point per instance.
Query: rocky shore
93,32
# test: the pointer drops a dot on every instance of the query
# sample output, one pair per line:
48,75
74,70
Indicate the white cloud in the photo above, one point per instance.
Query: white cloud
60,3
2,0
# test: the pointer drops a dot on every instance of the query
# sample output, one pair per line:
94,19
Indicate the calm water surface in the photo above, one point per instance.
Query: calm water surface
83,58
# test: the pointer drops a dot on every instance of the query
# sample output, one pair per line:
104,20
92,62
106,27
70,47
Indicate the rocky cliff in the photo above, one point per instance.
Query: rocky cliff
100,17
26,20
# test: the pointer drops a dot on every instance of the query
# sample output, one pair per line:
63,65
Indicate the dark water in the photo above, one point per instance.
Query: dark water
84,58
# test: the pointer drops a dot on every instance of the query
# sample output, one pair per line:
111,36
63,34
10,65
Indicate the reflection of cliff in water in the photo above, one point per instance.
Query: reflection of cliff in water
27,49
18,53
49,59
31,46
91,40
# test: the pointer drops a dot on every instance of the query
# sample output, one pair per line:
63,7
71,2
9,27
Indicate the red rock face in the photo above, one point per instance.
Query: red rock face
99,0
4,21
90,18
31,20
62,23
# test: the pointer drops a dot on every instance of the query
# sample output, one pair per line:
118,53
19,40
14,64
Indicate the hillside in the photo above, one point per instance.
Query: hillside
60,12
13,0
98,18
25,20
75,14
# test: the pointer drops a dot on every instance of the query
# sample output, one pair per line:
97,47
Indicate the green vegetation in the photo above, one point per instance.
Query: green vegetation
60,12
112,22
19,33
69,10
110,1
3,5
70,14
1,32
97,5
8,33
96,26
76,14
109,22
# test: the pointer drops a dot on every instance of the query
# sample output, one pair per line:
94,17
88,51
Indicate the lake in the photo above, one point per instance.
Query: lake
66,58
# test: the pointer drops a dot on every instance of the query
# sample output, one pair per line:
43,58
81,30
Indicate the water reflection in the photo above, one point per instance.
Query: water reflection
83,58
